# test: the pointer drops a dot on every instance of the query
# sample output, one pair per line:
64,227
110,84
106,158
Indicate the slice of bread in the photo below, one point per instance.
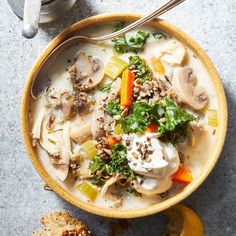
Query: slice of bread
61,224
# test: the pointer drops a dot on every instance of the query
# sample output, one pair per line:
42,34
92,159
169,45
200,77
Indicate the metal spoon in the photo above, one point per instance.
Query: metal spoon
40,82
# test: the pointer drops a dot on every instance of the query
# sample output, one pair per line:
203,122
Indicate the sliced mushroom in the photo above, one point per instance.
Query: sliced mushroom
50,141
185,84
67,109
196,131
52,97
97,123
173,52
36,129
86,72
80,132
150,186
81,102
65,150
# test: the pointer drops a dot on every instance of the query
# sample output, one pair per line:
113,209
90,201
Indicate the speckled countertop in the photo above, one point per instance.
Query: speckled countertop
22,198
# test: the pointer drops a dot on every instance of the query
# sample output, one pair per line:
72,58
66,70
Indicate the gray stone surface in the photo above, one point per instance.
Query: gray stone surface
22,198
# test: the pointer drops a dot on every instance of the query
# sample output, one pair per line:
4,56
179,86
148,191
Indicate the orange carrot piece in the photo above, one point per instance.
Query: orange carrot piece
127,86
112,140
157,66
152,128
183,175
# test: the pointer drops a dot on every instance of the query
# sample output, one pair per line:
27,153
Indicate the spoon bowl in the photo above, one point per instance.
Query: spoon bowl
40,84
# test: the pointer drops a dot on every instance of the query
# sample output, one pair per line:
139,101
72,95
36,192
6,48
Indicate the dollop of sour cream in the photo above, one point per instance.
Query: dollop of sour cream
153,160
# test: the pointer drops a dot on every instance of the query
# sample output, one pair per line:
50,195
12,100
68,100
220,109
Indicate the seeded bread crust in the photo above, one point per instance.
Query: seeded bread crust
61,224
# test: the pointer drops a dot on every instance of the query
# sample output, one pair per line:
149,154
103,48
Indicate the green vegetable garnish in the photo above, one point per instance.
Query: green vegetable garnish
117,163
172,120
113,108
140,65
159,35
138,120
105,88
118,26
132,43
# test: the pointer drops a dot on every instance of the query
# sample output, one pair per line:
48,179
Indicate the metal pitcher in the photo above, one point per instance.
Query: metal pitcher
34,12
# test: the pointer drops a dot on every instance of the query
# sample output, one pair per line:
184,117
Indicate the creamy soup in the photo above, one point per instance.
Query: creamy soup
127,123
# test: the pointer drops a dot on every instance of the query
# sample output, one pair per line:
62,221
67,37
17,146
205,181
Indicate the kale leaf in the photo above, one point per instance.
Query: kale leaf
175,120
113,108
138,120
139,64
117,163
171,119
129,43
118,26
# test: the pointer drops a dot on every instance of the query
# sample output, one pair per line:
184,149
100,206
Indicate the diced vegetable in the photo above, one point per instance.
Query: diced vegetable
212,117
157,66
115,67
112,140
117,129
183,175
88,190
90,148
127,85
152,128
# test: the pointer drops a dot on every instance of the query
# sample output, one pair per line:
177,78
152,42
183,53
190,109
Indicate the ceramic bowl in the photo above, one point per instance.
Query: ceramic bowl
206,167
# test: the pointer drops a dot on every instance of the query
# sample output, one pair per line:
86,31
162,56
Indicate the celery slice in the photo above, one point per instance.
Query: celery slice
212,117
88,190
117,129
90,148
115,67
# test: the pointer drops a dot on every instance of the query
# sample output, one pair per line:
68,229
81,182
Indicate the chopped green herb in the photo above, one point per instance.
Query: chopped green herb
138,120
175,120
117,163
118,26
113,108
172,120
139,65
105,88
129,42
159,35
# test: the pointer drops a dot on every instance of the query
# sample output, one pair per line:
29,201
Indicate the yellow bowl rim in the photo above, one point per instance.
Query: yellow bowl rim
210,162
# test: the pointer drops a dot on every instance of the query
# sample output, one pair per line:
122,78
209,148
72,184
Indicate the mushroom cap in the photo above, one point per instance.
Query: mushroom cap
149,186
98,117
80,132
185,84
87,71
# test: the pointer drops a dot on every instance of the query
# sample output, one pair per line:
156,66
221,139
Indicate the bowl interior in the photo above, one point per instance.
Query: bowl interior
208,163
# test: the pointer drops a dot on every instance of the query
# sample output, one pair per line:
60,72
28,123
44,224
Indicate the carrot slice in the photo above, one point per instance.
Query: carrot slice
157,66
127,86
183,175
112,140
152,128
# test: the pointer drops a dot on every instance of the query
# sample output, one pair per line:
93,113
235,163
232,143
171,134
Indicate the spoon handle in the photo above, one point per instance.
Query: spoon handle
171,4
31,18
